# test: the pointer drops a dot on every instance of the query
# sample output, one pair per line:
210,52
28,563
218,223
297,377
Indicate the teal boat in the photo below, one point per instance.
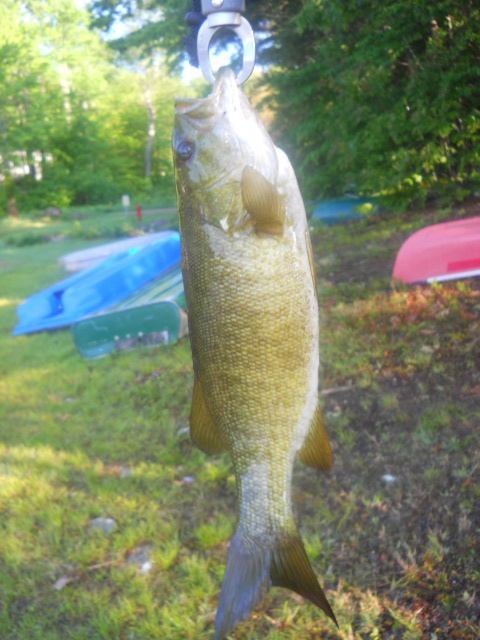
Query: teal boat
154,314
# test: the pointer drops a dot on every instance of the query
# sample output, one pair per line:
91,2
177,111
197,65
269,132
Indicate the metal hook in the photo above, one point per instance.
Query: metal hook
223,14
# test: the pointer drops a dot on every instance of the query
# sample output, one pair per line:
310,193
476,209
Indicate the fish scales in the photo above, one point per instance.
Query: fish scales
259,390
253,318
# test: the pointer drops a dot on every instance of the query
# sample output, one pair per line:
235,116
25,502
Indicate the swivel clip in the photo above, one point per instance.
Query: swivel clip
221,14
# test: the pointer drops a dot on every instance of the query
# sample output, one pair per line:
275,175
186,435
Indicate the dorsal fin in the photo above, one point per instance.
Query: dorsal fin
263,202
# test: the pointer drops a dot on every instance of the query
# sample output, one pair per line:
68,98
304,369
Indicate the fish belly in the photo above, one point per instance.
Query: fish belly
254,331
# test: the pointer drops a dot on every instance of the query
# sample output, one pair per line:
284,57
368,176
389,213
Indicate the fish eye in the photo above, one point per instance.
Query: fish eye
185,150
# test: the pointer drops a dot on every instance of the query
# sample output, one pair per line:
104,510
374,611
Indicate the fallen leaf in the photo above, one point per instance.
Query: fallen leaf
62,582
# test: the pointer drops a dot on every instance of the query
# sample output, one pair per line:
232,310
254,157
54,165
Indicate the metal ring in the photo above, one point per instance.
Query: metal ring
244,32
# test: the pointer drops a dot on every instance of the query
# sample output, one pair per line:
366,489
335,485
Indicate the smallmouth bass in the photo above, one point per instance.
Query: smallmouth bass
250,287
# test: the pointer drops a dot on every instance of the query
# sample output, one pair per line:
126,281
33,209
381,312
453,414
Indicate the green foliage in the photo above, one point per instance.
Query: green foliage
376,97
33,194
29,96
77,117
24,239
385,99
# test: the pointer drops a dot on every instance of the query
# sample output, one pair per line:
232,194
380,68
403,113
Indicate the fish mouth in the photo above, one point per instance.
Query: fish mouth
197,108
226,82
205,111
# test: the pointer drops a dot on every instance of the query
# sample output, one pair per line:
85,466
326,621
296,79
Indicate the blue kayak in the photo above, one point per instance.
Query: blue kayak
97,287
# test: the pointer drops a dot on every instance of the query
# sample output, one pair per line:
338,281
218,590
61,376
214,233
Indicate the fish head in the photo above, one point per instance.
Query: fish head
214,139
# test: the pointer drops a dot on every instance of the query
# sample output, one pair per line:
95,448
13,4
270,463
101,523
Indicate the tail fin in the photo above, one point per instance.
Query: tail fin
253,568
291,568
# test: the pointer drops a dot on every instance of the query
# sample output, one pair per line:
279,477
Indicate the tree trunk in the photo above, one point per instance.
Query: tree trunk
151,131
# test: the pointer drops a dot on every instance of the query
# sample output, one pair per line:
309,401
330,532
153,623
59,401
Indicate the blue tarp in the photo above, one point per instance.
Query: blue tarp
339,210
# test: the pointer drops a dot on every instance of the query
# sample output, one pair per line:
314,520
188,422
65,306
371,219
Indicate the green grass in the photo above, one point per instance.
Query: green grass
107,438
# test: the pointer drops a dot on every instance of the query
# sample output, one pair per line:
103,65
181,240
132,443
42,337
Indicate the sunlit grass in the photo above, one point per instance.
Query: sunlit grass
82,440
9,302
23,223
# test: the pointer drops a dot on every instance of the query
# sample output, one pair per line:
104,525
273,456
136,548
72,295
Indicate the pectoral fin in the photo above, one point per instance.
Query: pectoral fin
203,430
315,451
263,202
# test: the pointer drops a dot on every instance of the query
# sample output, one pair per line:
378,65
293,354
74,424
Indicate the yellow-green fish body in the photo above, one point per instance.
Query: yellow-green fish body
253,317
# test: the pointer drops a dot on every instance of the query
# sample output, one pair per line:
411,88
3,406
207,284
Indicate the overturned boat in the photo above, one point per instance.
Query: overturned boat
99,286
439,252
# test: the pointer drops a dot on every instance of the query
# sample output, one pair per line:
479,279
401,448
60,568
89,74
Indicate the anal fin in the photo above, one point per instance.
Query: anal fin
203,430
315,451
263,202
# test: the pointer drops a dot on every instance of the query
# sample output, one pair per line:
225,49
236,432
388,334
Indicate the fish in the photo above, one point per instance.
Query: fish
251,294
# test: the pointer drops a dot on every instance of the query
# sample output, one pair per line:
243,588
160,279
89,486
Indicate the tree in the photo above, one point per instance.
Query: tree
161,24
387,101
382,98
80,117
28,91
52,68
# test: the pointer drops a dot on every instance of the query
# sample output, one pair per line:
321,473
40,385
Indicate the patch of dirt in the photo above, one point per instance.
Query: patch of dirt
405,486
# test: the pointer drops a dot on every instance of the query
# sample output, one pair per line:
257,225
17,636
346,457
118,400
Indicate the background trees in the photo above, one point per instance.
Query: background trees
384,98
74,117
375,98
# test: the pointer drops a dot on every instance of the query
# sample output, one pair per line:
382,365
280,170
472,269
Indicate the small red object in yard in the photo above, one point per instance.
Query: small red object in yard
138,211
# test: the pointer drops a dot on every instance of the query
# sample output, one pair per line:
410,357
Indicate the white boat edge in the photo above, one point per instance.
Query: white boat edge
84,258
454,275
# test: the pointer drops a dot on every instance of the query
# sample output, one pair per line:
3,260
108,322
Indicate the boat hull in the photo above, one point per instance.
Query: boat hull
97,287
444,251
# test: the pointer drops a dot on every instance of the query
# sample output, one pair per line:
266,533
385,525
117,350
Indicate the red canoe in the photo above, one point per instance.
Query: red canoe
444,251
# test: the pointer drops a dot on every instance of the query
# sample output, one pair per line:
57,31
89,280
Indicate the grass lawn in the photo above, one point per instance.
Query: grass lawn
114,526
